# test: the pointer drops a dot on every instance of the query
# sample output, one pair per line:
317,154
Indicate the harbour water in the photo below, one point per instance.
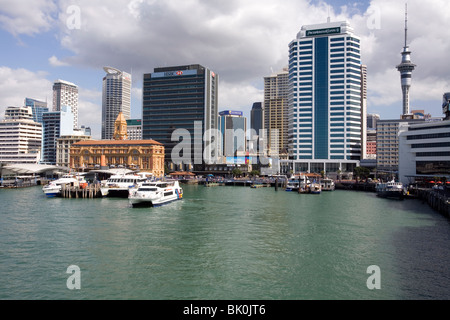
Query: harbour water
223,243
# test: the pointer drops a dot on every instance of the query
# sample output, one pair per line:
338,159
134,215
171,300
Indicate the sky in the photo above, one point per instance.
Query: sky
241,41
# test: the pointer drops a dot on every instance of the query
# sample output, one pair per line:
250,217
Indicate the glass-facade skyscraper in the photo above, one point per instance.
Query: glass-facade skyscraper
180,97
37,107
116,98
325,98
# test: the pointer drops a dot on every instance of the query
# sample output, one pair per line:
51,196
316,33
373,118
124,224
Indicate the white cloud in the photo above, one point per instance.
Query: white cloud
55,62
18,84
27,17
242,40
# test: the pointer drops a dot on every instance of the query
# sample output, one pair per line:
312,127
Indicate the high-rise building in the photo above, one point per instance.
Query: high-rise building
233,129
257,118
325,101
37,107
184,98
363,112
20,137
276,112
116,98
372,119
66,94
56,124
406,68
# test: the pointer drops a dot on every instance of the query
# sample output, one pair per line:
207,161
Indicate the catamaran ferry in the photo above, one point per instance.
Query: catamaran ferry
119,185
155,193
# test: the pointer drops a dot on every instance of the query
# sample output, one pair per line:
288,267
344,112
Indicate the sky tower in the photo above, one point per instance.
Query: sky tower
405,68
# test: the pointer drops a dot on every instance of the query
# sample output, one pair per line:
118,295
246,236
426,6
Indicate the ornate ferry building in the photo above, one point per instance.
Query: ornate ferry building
145,155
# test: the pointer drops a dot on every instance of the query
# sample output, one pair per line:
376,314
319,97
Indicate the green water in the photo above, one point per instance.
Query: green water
223,243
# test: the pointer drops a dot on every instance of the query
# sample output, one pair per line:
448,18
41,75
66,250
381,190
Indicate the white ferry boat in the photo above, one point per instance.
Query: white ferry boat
119,185
53,188
390,189
155,193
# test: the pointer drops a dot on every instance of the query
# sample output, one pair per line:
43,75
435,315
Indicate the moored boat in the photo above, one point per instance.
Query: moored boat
119,185
53,188
293,184
155,193
391,189
327,184
315,188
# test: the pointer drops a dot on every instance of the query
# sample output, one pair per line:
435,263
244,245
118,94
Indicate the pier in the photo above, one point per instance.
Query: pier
437,199
90,191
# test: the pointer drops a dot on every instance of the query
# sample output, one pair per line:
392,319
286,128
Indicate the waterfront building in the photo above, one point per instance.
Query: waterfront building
63,145
388,144
406,68
276,112
233,129
424,151
66,94
116,98
37,108
325,75
20,137
145,155
257,118
134,129
184,100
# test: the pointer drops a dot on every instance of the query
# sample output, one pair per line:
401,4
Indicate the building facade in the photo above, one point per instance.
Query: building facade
134,129
20,137
276,112
424,151
66,94
388,144
325,100
116,98
55,125
233,129
37,107
63,145
181,100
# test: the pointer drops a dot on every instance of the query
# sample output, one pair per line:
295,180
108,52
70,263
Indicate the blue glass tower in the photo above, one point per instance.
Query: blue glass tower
325,98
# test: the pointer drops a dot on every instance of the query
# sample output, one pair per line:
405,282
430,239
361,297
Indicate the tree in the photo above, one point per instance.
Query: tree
236,172
361,172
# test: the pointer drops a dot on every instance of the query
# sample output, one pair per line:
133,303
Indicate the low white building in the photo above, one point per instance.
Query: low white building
20,137
424,151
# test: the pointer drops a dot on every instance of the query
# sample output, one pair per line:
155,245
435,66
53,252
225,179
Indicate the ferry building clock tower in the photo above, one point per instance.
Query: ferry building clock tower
120,128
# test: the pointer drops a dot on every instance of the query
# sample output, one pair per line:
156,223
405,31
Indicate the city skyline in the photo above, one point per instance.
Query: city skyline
50,45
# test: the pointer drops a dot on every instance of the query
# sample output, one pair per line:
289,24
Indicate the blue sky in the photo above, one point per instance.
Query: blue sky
242,41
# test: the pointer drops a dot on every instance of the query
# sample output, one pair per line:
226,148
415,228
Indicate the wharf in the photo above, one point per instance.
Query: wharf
438,200
90,191
357,186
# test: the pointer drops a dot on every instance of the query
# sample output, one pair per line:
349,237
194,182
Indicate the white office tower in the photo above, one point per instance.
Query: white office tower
325,99
20,137
406,68
66,94
116,99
